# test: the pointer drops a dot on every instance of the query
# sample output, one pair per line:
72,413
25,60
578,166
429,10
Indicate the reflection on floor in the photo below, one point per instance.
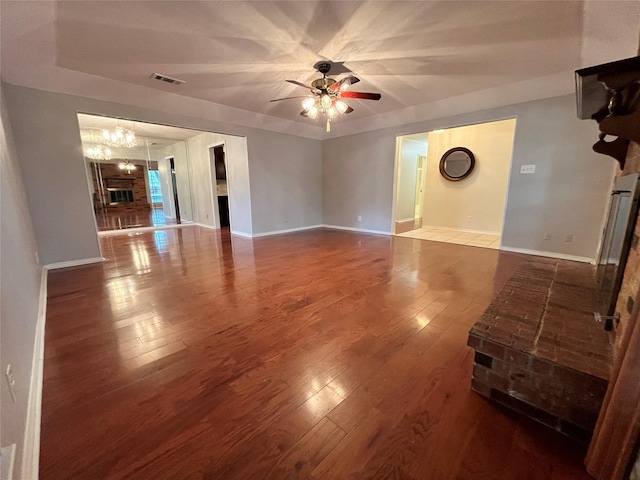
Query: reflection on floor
460,237
118,220
314,355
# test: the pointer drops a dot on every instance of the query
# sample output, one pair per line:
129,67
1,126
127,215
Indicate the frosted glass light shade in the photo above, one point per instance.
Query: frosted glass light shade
341,106
307,103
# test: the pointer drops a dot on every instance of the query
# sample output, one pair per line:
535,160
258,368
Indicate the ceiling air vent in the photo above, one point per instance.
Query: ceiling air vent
164,78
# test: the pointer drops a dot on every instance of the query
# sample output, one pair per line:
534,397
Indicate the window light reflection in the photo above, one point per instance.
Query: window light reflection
423,320
144,329
161,240
122,294
140,258
339,389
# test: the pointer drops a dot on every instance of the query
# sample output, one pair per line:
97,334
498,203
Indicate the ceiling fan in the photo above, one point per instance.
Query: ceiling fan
327,95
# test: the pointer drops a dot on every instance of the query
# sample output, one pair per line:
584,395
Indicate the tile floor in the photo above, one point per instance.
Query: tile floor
461,237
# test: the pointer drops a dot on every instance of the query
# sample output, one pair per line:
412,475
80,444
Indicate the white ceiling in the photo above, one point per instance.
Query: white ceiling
237,55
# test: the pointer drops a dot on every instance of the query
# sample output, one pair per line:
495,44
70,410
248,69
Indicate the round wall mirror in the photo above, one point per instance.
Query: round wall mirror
457,164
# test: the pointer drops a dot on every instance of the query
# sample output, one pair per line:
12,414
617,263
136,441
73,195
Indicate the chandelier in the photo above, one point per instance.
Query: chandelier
126,166
325,104
120,137
98,152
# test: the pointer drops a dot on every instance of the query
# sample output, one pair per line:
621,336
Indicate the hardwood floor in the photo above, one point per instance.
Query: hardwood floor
314,355
122,219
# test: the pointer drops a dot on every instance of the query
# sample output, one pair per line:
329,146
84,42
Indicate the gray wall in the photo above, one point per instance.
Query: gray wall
45,130
19,297
568,193
357,180
284,170
286,177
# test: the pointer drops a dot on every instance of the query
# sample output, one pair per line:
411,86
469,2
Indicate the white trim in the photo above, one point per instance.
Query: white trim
359,230
73,263
122,231
299,229
405,220
396,183
540,253
31,445
288,230
463,230
233,232
241,234
210,227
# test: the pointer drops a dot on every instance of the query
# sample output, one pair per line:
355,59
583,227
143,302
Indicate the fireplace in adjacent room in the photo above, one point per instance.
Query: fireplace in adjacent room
120,195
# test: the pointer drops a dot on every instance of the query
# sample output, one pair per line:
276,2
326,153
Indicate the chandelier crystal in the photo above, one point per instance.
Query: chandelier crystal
120,137
98,152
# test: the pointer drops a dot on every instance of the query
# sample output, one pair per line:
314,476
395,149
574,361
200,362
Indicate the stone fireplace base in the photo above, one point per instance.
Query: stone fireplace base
538,349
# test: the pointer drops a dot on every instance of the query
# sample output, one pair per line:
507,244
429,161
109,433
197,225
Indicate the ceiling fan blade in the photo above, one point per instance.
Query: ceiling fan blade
344,83
300,84
288,98
361,95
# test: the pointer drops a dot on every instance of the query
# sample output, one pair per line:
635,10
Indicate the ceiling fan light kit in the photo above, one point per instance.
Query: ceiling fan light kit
326,95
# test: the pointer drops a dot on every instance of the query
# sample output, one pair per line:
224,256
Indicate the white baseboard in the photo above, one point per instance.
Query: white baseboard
31,446
288,230
541,253
359,230
73,263
204,225
241,234
233,232
298,229
125,231
463,230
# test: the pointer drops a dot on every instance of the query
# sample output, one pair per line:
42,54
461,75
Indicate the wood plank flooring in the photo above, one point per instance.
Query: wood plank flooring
318,355
122,219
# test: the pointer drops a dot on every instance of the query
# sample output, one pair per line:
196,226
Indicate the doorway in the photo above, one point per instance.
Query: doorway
468,210
174,184
219,170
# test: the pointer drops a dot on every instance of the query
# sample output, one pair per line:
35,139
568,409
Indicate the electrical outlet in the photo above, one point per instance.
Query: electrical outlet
359,218
469,219
11,382
528,169
547,236
568,238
